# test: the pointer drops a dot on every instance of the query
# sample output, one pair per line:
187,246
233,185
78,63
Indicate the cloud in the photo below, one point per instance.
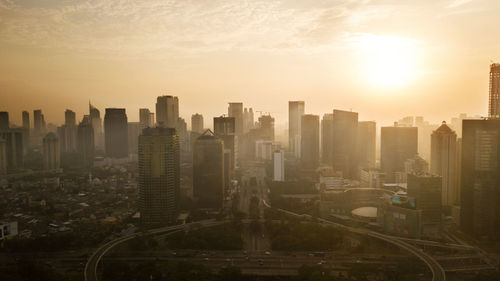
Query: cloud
458,3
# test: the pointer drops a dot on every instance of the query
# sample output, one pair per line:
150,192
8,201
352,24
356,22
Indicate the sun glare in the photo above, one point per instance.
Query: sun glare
387,61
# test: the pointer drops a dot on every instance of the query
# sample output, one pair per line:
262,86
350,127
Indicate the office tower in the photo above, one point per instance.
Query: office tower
51,152
85,142
134,130
443,162
4,120
167,111
14,149
116,133
397,144
295,112
224,128
266,126
3,156
26,128
327,139
264,149
426,189
248,120
494,101
183,135
95,118
279,165
309,141
366,147
197,123
345,131
208,171
235,109
480,183
71,130
39,122
159,176
145,117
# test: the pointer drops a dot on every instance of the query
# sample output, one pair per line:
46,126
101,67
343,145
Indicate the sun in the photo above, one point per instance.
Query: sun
388,61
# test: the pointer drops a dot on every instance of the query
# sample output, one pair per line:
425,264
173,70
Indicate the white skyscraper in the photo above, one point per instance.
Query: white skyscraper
279,165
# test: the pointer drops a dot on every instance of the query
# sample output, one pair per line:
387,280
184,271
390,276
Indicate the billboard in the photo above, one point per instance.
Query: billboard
404,201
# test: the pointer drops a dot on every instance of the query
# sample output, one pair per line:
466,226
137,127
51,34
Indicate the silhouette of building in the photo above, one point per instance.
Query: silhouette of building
494,101
327,139
248,119
85,142
295,112
159,176
167,111
309,141
345,131
145,118
51,152
3,156
266,126
26,128
426,189
39,122
397,144
197,123
208,171
95,118
225,129
480,181
134,130
366,144
4,120
235,109
70,130
14,149
116,133
443,162
279,165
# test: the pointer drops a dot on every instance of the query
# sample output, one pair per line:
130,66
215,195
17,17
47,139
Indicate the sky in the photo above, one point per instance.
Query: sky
384,59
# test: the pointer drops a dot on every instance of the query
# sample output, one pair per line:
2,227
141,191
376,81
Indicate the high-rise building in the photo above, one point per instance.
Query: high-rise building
248,120
14,149
95,118
183,135
134,130
71,130
3,156
266,126
309,141
208,171
197,123
426,189
159,176
279,165
397,144
224,128
145,118
51,152
26,128
4,120
443,162
327,139
366,146
39,122
116,133
295,112
85,142
480,182
167,111
345,131
235,109
494,102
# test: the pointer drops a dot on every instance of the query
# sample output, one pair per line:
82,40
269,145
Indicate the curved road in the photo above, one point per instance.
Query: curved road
438,273
90,272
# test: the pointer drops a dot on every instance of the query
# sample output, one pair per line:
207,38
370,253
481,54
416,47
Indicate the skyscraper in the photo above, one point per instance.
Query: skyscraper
95,118
248,120
295,112
14,149
116,133
366,146
327,139
85,142
235,109
134,130
443,162
26,128
145,118
224,128
3,156
208,171
266,126
279,165
167,111
39,122
4,120
51,152
71,130
397,144
480,182
159,176
494,101
345,131
310,141
197,123
426,189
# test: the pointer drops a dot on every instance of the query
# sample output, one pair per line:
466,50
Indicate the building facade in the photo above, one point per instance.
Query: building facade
397,144
309,141
51,152
295,112
116,133
167,111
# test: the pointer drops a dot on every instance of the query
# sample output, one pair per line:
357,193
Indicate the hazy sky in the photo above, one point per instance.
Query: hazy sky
383,59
